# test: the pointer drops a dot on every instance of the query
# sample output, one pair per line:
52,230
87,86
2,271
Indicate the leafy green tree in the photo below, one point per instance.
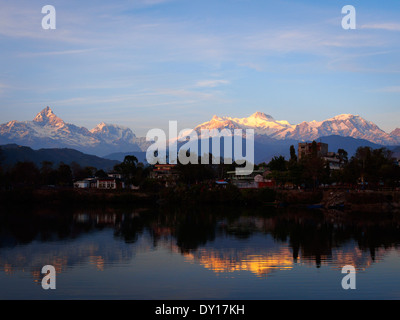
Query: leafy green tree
25,174
293,156
2,173
76,170
89,171
362,160
47,173
372,167
280,177
128,169
278,164
326,174
100,174
314,167
64,175
80,173
295,168
350,173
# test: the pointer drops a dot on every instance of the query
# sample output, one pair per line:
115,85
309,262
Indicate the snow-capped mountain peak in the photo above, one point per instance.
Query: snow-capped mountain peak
101,127
216,118
395,132
262,123
344,117
47,117
113,131
261,115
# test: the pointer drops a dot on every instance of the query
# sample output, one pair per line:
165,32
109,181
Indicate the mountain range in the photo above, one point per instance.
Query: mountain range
47,130
272,137
344,125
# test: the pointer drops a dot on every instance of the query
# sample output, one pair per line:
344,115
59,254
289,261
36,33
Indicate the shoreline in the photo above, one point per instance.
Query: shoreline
345,200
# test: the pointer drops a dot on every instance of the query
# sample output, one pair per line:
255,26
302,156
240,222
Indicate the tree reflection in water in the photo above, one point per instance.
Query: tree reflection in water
211,236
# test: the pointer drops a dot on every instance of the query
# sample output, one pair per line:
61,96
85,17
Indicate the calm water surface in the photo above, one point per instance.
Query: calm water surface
197,253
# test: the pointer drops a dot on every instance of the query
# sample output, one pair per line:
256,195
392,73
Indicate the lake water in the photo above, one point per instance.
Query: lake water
197,253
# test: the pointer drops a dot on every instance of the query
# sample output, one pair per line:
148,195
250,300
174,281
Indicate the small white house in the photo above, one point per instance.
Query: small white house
83,184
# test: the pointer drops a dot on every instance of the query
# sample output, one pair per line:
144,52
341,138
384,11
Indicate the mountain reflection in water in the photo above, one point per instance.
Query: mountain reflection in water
229,243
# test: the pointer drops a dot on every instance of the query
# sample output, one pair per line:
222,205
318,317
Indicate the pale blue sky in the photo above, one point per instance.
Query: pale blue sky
140,63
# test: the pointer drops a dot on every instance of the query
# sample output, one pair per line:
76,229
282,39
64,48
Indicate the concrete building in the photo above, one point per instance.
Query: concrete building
305,149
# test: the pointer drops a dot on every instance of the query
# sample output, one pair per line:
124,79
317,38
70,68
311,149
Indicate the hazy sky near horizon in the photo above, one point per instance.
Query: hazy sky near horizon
141,63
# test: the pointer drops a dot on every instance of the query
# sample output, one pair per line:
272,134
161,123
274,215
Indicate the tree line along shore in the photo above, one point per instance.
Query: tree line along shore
339,199
368,181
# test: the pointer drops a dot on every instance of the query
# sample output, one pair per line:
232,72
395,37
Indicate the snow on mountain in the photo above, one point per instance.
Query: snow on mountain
395,134
345,125
262,124
120,136
112,133
47,117
49,131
